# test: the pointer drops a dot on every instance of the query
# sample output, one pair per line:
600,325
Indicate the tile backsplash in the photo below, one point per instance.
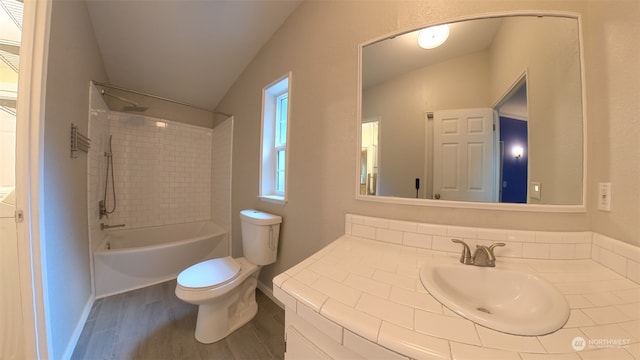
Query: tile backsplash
614,254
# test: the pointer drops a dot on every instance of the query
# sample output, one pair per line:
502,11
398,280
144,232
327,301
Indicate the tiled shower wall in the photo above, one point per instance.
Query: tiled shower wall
162,171
166,172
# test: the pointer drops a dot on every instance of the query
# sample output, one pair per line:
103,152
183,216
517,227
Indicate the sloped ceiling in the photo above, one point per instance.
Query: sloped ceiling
190,51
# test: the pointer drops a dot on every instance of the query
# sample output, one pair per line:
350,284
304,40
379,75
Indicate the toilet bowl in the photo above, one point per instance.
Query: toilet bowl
224,288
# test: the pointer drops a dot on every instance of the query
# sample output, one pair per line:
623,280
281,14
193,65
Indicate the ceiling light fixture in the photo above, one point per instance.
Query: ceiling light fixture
433,36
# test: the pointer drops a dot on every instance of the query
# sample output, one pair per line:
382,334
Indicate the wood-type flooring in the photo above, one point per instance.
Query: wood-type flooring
153,324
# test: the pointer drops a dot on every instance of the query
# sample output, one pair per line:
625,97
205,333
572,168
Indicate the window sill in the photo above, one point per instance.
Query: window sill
273,199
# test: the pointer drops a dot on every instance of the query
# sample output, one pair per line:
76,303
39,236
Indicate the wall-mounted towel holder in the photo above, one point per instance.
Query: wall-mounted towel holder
78,142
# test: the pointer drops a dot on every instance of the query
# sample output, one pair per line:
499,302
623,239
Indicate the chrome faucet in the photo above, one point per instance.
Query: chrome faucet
104,226
483,256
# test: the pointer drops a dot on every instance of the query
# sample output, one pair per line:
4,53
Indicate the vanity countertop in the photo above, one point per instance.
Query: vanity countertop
356,288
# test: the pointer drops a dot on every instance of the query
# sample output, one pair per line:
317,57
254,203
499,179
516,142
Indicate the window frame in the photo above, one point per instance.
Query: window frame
271,140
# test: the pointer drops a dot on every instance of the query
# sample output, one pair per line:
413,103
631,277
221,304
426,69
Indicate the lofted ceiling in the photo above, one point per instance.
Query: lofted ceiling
190,51
403,52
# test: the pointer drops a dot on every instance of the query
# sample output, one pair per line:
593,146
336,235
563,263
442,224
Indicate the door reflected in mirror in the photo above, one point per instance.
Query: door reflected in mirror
494,109
369,157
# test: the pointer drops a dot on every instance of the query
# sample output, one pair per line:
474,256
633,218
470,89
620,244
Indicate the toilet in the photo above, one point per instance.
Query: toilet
224,288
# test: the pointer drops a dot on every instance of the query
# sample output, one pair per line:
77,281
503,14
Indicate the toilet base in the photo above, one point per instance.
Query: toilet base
219,318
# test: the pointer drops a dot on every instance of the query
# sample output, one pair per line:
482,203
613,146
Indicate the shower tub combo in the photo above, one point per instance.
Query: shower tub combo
132,259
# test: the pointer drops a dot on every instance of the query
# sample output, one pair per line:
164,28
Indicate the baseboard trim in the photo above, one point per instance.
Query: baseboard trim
269,292
73,341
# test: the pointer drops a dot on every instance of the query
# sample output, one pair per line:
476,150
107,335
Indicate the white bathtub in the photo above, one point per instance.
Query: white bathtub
131,259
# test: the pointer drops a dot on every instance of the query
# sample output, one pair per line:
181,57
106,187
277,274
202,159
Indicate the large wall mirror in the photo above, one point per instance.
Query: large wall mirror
491,115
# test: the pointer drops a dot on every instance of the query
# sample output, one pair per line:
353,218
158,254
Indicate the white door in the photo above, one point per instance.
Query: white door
464,155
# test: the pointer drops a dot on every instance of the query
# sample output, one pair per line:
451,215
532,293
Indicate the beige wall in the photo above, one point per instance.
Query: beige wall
612,35
550,54
319,44
74,59
401,104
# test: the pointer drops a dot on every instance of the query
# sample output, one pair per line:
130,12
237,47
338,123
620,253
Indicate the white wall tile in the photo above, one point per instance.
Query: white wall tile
162,174
390,236
326,326
432,229
462,232
560,341
312,298
403,225
561,251
444,243
365,231
368,285
413,344
616,255
338,291
492,234
446,327
521,236
394,279
633,271
368,349
417,240
535,251
386,310
498,340
470,352
363,324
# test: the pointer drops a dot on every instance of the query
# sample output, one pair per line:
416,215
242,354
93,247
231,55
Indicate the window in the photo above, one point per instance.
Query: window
275,134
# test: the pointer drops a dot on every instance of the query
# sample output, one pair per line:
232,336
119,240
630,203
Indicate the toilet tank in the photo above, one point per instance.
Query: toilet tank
260,234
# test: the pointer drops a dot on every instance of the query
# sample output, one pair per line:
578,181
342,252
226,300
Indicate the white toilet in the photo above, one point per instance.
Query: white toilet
224,288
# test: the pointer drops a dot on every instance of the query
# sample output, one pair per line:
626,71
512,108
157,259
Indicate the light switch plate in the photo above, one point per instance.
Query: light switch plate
535,190
604,196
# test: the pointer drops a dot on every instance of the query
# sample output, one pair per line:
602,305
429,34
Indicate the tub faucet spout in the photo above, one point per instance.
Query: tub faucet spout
104,226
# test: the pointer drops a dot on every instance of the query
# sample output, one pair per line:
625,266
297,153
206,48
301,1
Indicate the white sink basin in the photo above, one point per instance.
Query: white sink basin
504,300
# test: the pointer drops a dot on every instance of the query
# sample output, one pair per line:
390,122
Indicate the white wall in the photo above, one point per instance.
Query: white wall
74,59
323,56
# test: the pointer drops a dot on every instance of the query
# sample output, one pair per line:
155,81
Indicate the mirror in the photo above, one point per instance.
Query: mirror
493,115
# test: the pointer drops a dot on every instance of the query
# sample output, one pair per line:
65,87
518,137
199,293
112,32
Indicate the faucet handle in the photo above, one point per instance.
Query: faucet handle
465,258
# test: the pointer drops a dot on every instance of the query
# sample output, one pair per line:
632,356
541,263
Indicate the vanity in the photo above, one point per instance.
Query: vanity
362,297
436,128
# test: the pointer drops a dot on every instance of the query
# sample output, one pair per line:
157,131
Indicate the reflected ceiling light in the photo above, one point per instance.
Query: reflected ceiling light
433,36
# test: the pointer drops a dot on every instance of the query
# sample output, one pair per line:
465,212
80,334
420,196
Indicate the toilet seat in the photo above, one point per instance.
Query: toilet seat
209,274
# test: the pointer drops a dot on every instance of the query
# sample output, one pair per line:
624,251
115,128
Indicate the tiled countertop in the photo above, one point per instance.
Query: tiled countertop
371,290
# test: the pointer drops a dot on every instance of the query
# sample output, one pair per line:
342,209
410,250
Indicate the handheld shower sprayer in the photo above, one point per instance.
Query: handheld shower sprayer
102,204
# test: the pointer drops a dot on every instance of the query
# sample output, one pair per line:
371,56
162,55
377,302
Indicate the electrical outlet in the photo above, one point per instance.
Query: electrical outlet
604,196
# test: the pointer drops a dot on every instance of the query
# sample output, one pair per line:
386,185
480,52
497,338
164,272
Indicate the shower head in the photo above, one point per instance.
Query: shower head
133,107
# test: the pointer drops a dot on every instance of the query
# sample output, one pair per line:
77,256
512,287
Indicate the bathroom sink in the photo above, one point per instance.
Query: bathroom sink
509,301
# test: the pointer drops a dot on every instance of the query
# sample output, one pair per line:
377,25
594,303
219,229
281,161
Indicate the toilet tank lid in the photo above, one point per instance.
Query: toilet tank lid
259,218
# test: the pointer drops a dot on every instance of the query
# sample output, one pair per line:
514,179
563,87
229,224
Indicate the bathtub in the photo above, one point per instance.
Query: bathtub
132,259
